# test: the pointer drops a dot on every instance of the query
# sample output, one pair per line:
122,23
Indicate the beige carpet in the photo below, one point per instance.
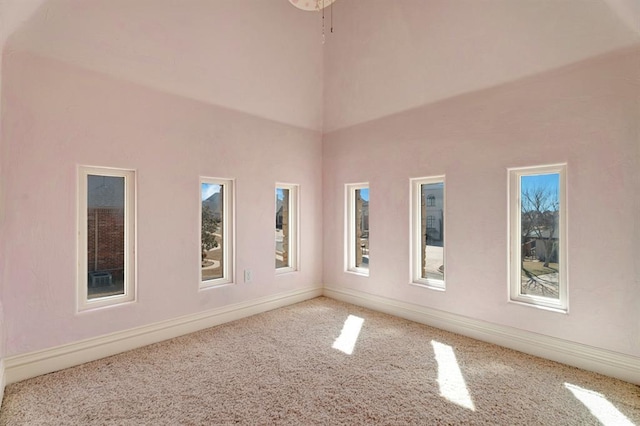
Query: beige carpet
281,367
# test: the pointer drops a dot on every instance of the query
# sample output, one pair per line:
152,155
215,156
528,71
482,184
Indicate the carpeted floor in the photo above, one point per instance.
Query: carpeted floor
291,366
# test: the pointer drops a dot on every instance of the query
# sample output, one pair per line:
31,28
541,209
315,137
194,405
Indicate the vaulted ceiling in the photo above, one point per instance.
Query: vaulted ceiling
266,58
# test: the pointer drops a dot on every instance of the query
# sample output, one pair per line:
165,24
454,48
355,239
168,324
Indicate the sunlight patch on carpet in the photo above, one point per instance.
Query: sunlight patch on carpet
349,334
599,406
452,384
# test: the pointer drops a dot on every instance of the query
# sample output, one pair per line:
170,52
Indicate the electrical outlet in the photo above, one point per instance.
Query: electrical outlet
247,275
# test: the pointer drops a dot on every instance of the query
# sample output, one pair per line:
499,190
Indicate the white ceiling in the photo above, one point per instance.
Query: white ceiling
265,57
13,13
256,56
393,56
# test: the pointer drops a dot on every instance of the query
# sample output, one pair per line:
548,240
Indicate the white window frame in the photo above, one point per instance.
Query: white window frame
416,232
350,228
561,304
83,302
228,232
294,219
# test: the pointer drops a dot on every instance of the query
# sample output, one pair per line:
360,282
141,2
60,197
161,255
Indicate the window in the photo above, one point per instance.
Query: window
427,221
216,232
357,228
106,233
538,247
286,227
431,221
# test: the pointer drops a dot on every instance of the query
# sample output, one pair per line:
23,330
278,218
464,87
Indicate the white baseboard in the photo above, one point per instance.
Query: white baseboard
609,363
25,366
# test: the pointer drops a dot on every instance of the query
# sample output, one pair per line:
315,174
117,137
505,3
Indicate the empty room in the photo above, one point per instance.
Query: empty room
455,188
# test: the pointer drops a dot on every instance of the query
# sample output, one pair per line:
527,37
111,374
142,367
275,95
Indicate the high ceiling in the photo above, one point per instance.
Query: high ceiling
265,57
393,56
260,57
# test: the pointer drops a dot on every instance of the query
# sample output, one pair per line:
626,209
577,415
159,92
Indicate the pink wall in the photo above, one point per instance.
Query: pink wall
390,56
255,56
584,114
131,101
57,116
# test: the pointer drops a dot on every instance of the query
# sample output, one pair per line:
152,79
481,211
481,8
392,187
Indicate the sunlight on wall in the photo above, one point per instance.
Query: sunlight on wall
452,384
599,406
349,334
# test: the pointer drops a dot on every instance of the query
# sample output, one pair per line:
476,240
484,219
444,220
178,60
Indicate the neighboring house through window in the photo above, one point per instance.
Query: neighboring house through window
286,218
430,222
357,228
106,237
427,225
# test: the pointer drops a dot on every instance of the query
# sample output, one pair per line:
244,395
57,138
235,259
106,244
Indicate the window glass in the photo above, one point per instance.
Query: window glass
539,232
427,232
433,230
286,255
538,253
211,232
282,227
105,236
362,228
357,228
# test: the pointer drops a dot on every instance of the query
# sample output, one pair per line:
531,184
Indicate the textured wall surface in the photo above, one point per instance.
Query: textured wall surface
585,115
386,57
57,117
260,57
403,88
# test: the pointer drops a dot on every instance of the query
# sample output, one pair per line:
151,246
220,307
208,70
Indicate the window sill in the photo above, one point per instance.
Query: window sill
429,286
558,310
204,286
105,303
363,272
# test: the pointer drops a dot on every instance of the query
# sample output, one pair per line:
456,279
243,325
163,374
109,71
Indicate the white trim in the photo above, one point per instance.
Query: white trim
415,231
561,304
350,231
83,303
25,366
228,232
294,221
603,361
